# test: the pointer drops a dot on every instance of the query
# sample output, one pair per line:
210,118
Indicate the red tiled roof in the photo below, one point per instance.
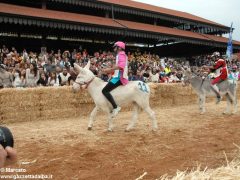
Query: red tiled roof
86,19
174,32
148,7
58,15
220,39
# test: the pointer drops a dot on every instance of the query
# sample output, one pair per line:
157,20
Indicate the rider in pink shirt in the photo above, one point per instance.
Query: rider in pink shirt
120,76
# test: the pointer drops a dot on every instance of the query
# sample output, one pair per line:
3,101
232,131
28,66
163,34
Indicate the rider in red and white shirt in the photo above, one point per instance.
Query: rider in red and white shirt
220,68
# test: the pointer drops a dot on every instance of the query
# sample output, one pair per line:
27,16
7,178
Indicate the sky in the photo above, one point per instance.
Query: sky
220,11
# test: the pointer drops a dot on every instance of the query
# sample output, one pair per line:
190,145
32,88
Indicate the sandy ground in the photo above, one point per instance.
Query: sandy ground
185,139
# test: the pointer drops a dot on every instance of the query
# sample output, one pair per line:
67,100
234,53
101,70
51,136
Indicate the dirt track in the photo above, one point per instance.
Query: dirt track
185,139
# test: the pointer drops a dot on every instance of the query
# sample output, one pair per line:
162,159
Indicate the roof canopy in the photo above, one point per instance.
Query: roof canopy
156,9
142,9
62,20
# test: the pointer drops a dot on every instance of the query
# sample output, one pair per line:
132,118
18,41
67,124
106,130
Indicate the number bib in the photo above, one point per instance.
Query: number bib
143,87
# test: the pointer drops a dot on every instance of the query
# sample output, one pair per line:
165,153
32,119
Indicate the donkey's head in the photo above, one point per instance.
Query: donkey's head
187,76
84,78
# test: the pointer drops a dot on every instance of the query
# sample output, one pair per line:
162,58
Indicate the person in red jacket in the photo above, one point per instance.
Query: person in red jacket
220,68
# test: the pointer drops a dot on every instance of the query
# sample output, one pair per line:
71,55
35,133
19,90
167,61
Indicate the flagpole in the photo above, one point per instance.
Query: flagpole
229,45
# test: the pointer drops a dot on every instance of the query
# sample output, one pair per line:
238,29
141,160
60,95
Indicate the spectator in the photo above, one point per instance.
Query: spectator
154,76
23,77
142,66
163,78
234,74
64,77
5,50
134,66
17,82
167,69
179,75
173,78
73,76
94,69
32,75
43,81
33,59
58,70
49,67
146,75
73,57
53,79
65,62
25,55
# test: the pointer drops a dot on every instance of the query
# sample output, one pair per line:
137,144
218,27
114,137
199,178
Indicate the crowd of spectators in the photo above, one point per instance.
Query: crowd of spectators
31,69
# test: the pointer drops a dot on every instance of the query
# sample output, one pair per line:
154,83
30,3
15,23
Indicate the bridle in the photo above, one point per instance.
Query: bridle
85,83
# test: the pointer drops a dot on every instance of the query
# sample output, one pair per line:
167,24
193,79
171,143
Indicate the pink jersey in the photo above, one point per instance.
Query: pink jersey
122,63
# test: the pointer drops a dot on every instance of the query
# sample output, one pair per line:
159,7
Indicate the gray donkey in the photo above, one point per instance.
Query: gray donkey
6,77
203,88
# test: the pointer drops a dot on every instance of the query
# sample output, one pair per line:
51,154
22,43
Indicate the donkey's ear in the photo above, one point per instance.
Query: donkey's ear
88,65
77,67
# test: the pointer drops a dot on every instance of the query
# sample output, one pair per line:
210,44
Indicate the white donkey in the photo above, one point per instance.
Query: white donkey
135,92
203,88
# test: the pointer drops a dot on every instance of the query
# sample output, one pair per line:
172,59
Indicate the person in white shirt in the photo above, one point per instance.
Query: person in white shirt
154,76
25,55
53,79
173,78
18,82
64,77
32,75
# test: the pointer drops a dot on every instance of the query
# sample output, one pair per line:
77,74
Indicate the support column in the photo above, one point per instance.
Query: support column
107,14
155,22
44,4
113,12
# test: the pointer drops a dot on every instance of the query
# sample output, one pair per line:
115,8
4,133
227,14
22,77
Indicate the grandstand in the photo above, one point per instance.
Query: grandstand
59,24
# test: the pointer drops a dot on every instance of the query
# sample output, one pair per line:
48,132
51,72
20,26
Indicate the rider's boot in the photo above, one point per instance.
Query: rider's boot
115,111
216,91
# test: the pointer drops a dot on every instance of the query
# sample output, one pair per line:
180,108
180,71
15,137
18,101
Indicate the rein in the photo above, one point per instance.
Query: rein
85,83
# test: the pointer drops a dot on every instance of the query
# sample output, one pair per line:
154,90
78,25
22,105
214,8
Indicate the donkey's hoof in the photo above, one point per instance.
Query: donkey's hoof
110,130
202,113
154,129
89,128
128,130
226,113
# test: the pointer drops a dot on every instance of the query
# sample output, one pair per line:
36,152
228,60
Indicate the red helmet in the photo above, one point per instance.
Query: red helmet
216,54
119,44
